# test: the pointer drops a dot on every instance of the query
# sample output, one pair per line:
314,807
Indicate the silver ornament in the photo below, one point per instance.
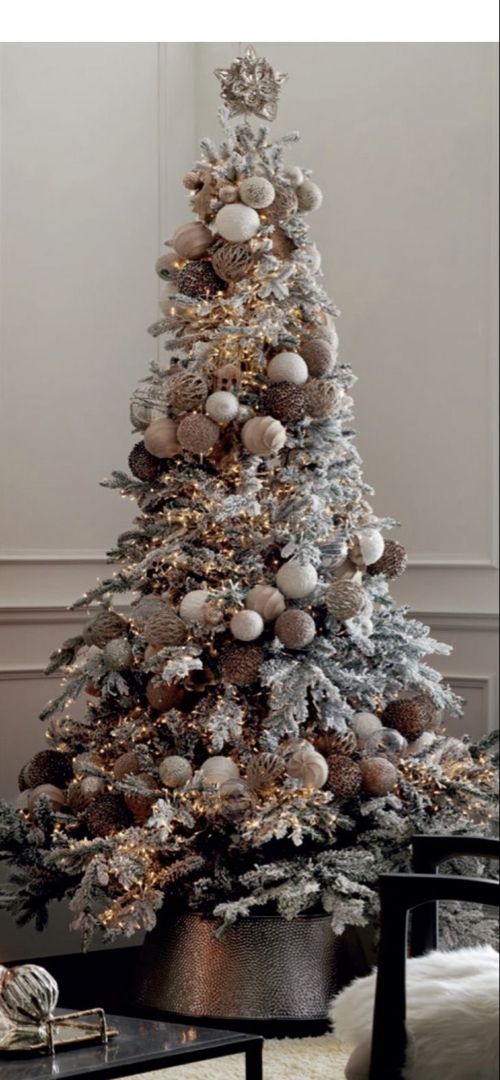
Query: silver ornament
28,994
387,742
251,85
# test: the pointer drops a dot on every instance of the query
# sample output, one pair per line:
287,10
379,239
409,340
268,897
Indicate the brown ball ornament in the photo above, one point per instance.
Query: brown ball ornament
107,814
163,696
126,765
295,628
405,716
379,776
186,390
140,805
48,767
165,628
345,599
197,434
106,626
241,664
321,398
199,280
143,465
232,262
284,401
392,563
319,357
56,798
344,777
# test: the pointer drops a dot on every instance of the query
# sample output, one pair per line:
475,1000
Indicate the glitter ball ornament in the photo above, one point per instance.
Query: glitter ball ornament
236,222
160,438
309,196
285,401
165,628
48,767
367,548
319,357
191,241
192,606
264,773
365,724
140,806
267,600
126,765
246,625
392,563
163,696
388,742
219,769
199,280
28,995
256,191
232,262
321,398
284,204
186,390
287,367
142,464
197,434
235,800
106,626
308,767
175,771
295,628
117,655
405,716
222,407
378,776
296,580
55,797
263,435
344,599
107,814
241,664
344,777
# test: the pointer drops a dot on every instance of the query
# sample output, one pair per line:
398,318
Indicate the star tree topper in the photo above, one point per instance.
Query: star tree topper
251,85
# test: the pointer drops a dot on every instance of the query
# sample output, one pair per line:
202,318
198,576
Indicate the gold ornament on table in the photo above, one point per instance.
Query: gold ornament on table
250,85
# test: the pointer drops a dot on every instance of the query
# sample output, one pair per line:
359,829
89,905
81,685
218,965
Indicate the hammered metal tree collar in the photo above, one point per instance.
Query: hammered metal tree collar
251,85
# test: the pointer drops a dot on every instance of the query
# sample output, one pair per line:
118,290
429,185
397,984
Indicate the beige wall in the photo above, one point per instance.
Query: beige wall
95,139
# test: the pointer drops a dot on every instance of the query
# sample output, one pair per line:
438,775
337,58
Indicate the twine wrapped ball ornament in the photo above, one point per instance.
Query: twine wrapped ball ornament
344,777
263,435
246,625
47,767
405,716
367,548
186,390
117,654
296,580
287,367
197,434
199,280
232,262
191,241
126,765
309,196
163,696
268,601
365,724
241,664
295,628
308,767
175,771
192,606
321,398
285,401
257,192
165,628
106,626
336,742
392,563
236,222
219,769
28,994
143,465
319,357
106,815
160,438
264,773
222,406
55,796
378,776
345,599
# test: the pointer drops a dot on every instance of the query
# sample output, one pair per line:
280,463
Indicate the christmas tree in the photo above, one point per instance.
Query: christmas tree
261,731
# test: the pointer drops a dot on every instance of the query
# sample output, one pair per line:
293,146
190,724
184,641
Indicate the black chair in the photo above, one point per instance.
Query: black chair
401,894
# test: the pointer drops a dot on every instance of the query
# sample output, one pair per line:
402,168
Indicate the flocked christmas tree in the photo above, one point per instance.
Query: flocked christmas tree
262,732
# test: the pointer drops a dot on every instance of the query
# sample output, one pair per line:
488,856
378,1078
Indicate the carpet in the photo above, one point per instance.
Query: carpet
284,1059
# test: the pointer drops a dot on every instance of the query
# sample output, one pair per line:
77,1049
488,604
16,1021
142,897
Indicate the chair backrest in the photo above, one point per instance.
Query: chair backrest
400,894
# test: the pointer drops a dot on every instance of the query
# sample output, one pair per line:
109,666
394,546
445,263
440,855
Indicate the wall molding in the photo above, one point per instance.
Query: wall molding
487,685
21,674
85,556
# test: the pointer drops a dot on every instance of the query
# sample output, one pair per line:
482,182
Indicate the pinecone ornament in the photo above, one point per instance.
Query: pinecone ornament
107,814
143,465
265,772
284,401
344,777
392,563
47,767
106,626
406,716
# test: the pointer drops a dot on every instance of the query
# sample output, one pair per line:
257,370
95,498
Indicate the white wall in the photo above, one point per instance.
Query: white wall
95,139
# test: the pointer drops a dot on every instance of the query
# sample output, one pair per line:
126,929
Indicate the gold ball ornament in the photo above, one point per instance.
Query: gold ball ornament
336,742
297,580
222,406
287,367
296,629
309,196
257,192
160,438
405,716
308,767
191,241
126,765
165,628
232,262
166,265
268,601
321,398
282,245
344,777
235,800
378,776
319,357
392,563
264,772
219,769
117,654
147,404
163,696
197,434
186,390
192,181
284,401
106,626
241,664
263,436
246,625
175,771
53,794
236,222
345,599
143,465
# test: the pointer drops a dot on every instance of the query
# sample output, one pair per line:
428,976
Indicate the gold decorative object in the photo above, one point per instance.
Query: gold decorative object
251,85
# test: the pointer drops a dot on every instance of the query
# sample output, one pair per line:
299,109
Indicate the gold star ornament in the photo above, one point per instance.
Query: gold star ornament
251,85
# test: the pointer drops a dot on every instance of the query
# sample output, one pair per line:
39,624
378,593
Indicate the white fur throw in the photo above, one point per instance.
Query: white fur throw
452,1017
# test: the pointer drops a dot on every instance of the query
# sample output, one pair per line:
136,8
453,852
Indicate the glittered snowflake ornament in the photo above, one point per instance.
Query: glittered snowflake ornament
251,85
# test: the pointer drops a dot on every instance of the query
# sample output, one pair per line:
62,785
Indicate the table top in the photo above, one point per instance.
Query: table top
140,1046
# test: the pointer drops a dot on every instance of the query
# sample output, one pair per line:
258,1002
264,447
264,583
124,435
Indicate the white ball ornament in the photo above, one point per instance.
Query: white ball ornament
246,625
236,222
222,406
365,724
175,771
267,600
288,367
257,192
308,767
310,196
368,547
296,580
294,175
192,606
217,770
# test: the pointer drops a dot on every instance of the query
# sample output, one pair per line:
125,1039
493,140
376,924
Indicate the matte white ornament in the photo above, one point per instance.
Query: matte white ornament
288,367
216,770
309,195
222,406
160,438
296,580
267,600
365,724
263,435
246,625
192,606
175,771
236,222
256,191
368,547
308,767
294,174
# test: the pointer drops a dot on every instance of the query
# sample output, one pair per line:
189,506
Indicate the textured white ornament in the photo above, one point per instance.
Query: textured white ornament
423,743
216,770
308,767
236,222
256,191
288,367
263,435
175,771
294,174
27,993
368,547
246,625
192,605
365,724
296,580
310,196
222,406
267,600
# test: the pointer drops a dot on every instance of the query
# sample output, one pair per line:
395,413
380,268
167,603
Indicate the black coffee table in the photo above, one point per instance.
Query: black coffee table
140,1047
